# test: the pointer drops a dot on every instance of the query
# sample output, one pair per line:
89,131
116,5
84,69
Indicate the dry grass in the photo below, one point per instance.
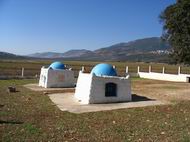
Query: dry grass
162,90
32,67
31,116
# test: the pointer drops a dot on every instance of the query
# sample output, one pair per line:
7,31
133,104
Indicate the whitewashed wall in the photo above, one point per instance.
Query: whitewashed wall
83,87
98,89
43,77
50,78
91,89
165,77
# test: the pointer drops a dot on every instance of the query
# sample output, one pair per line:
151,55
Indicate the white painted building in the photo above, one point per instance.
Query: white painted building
56,75
102,85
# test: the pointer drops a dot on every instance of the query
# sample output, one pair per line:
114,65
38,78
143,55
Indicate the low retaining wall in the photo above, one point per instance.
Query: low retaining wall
165,77
134,74
17,77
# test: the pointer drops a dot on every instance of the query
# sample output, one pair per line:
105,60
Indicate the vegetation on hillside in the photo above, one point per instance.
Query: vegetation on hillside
5,55
147,49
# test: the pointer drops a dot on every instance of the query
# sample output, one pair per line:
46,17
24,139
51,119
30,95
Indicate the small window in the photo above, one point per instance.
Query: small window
110,89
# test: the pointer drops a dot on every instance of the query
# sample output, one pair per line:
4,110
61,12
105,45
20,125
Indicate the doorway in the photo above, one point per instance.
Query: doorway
110,89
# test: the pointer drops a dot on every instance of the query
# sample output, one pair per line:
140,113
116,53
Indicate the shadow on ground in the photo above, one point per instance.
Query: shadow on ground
10,122
138,98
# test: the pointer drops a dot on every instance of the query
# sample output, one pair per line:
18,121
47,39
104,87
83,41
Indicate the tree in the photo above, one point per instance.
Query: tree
176,30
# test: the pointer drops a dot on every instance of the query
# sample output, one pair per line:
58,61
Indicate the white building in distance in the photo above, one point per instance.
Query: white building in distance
56,76
102,85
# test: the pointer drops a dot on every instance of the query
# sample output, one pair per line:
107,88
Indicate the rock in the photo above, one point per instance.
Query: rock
28,99
162,133
45,93
11,89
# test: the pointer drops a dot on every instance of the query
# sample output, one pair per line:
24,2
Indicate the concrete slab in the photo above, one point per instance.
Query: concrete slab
67,102
35,87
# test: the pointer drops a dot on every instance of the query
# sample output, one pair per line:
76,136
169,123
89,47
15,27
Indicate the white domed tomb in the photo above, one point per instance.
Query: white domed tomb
56,75
102,85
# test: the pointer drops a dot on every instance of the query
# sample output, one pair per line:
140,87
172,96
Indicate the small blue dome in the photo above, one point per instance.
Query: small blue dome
104,69
57,66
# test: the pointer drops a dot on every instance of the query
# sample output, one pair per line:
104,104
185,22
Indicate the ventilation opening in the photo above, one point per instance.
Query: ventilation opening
111,90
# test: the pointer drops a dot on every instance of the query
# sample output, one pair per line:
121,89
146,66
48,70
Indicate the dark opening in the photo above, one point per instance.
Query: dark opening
188,79
110,89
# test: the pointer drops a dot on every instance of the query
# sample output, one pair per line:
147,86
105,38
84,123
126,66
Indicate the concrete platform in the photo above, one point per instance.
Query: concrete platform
67,102
35,87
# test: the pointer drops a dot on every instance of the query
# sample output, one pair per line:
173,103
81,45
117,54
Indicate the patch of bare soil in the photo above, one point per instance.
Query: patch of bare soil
161,90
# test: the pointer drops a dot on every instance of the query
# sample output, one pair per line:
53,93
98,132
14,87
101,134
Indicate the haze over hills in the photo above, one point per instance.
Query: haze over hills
70,53
6,55
147,49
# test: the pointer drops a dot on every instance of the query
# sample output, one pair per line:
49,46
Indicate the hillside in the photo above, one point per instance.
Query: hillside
6,55
139,50
70,53
46,55
147,50
76,53
135,47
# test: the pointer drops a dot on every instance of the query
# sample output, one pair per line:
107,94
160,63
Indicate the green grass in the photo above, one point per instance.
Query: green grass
31,116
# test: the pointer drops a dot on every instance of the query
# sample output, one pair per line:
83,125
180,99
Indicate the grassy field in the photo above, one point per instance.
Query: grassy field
32,67
31,116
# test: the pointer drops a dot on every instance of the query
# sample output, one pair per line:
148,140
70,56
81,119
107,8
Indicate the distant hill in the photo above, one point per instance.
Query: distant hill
46,55
76,53
134,47
6,55
70,53
147,50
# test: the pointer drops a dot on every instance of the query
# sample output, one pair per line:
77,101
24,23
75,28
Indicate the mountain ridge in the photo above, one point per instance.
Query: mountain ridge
146,49
6,55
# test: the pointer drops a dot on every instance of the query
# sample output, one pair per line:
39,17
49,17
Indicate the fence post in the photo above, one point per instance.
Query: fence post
22,72
163,70
179,70
138,69
149,69
83,69
127,70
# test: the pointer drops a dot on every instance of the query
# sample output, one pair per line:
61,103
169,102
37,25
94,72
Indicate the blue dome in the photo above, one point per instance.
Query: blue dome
104,69
57,66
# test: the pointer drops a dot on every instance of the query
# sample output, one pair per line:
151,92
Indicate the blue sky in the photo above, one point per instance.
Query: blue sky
28,26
